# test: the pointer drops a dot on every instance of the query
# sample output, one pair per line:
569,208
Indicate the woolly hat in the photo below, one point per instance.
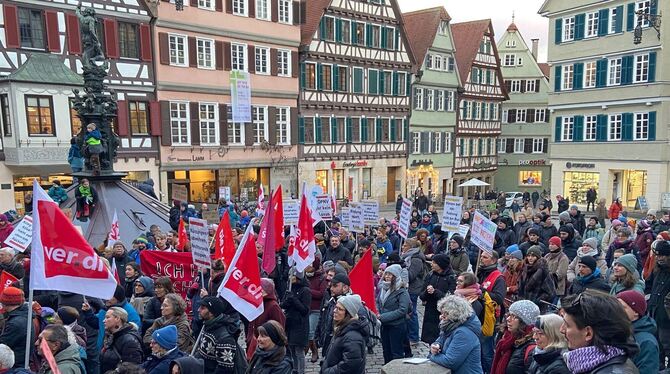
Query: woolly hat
635,301
516,254
566,228
442,260
643,224
589,262
341,278
662,248
616,223
120,294
166,337
458,239
526,311
437,230
665,235
533,231
555,240
535,250
327,265
573,206
394,269
272,333
268,285
352,303
564,216
512,248
651,212
628,261
213,304
66,315
12,296
590,242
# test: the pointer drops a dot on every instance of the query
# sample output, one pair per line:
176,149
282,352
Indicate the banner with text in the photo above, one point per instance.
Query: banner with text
240,92
483,232
370,209
199,232
451,215
405,217
323,207
178,266
291,211
22,235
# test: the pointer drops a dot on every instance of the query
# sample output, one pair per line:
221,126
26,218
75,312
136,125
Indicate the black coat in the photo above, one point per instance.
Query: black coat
14,333
550,362
443,283
218,345
296,308
175,215
596,283
657,286
338,254
619,364
125,345
347,351
152,310
520,362
579,223
14,268
275,361
537,284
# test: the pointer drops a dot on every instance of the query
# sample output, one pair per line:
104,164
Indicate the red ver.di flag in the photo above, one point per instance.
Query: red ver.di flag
224,246
61,258
6,280
305,246
241,286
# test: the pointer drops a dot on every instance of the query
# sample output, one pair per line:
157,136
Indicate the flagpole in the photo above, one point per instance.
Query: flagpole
28,328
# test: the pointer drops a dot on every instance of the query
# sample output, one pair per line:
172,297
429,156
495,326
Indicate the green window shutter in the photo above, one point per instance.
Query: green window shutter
373,82
408,84
322,29
603,22
580,22
395,83
317,130
618,21
653,9
333,130
378,130
383,41
397,40
627,127
406,129
627,67
349,129
354,36
601,128
558,36
630,15
303,76
393,135
338,30
578,81
557,129
336,78
368,35
578,129
381,82
301,130
652,67
364,130
319,77
557,78
652,126
488,76
601,73
358,80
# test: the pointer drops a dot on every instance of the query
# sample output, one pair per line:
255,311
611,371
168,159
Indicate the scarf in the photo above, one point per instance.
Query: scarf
583,360
586,279
448,326
470,293
385,291
407,256
504,350
86,192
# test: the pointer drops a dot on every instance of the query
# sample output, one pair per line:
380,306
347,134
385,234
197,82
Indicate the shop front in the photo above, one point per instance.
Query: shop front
203,185
523,175
434,181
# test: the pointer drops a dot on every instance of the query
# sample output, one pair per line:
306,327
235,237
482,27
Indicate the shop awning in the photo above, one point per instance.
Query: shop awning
474,182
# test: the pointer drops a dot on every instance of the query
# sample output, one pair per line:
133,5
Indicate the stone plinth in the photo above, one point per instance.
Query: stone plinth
399,367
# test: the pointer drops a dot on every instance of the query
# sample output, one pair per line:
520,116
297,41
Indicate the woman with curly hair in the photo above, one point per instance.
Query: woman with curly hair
173,312
513,353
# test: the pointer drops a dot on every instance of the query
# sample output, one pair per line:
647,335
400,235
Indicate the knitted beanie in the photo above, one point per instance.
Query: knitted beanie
12,296
628,261
526,310
352,303
555,240
635,301
166,337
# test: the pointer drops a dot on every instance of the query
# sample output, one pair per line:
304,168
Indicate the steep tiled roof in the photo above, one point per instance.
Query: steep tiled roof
312,12
467,36
512,27
418,26
45,68
544,67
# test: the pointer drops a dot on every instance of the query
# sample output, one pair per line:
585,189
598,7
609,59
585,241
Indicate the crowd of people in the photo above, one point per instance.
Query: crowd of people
576,295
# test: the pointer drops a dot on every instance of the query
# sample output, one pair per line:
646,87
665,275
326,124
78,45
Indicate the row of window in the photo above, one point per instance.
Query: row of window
434,100
341,130
426,142
181,117
261,9
476,147
338,78
522,85
510,59
440,62
525,115
263,60
523,145
615,71
370,35
483,76
602,22
478,110
606,127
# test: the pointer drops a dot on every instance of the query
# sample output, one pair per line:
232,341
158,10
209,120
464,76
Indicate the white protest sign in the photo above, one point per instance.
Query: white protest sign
345,218
22,235
291,211
462,231
405,217
224,192
240,88
356,215
199,232
370,212
323,207
483,232
451,216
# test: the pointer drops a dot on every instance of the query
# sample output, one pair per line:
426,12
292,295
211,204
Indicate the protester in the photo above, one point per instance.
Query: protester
624,241
644,331
271,356
131,275
9,264
217,345
339,286
658,288
337,252
57,193
16,314
493,282
296,305
438,283
625,275
347,350
458,256
533,234
557,264
122,343
414,261
512,274
589,248
152,310
537,284
588,276
550,346
512,354
615,209
65,354
173,312
187,365
645,236
318,284
164,350
7,362
547,230
468,288
569,243
599,334
143,291
68,316
393,305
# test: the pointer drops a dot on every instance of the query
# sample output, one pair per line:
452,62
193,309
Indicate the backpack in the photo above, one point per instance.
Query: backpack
374,328
489,313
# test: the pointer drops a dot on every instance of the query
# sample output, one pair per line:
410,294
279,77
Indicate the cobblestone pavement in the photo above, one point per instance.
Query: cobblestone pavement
375,361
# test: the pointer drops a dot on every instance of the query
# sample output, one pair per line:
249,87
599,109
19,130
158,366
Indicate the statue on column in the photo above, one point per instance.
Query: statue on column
92,49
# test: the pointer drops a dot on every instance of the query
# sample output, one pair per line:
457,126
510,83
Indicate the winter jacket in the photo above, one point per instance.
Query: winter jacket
347,350
512,278
643,242
520,361
548,362
593,281
148,188
175,215
594,232
393,311
185,339
578,222
525,246
562,205
189,364
338,254
444,283
5,231
74,157
629,247
67,360
274,361
317,287
125,345
14,268
570,245
503,239
152,310
384,249
557,264
497,290
614,210
546,232
416,269
459,260
139,302
644,331
296,308
460,350
271,311
660,226
14,333
218,345
58,194
617,365
156,365
618,287
600,263
537,284
520,229
658,287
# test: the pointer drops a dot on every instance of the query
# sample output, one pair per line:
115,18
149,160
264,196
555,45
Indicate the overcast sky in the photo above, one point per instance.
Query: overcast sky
531,25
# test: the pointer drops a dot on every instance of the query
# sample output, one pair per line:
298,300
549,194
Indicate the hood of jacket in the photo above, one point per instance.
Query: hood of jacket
645,324
222,321
148,285
189,364
473,324
355,325
69,354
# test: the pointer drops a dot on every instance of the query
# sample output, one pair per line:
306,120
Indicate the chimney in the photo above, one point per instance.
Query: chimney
536,43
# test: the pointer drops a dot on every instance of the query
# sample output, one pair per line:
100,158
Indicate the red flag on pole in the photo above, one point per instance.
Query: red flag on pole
182,238
114,234
362,281
115,271
278,204
224,246
6,280
267,238
305,246
241,286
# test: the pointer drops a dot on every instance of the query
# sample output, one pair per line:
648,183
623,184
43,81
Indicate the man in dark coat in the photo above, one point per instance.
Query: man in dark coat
421,203
535,196
148,188
569,243
296,308
578,221
17,313
505,235
588,276
657,286
9,264
175,214
336,252
218,345
591,196
548,230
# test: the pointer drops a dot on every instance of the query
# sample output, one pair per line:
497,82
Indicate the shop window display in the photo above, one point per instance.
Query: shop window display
530,178
322,180
575,185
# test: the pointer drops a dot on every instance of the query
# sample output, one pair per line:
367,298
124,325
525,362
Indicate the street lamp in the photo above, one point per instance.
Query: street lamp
653,20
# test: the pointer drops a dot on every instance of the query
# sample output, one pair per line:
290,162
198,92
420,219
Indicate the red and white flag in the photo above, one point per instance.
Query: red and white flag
62,260
224,245
182,237
261,198
114,231
6,280
115,271
241,286
270,236
305,246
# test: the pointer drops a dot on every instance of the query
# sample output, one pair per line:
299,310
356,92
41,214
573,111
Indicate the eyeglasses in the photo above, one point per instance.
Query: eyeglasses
340,309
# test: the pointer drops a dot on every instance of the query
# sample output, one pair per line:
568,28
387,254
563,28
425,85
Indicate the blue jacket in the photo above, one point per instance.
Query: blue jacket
644,330
461,350
57,194
155,365
387,247
74,157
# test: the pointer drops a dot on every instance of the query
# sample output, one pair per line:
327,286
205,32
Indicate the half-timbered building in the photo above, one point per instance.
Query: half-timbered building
354,98
40,66
479,104
200,50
